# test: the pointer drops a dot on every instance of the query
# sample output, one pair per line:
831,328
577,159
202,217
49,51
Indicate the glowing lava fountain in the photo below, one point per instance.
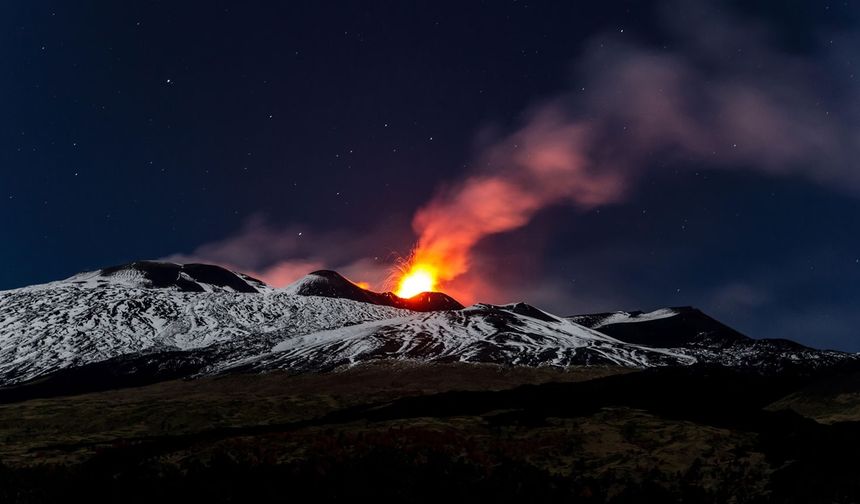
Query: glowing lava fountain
417,279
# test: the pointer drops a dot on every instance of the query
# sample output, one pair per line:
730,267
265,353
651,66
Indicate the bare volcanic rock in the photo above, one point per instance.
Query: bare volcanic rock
332,284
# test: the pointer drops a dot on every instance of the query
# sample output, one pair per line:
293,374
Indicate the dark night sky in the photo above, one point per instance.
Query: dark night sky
136,130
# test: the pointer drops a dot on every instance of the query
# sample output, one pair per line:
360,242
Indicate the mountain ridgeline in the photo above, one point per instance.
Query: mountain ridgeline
148,320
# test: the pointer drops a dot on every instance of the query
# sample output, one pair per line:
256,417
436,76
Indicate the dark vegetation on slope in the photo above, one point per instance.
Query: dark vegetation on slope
120,372
426,433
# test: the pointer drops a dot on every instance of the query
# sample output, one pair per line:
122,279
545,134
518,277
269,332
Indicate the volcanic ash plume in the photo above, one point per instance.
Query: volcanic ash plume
722,95
634,109
538,166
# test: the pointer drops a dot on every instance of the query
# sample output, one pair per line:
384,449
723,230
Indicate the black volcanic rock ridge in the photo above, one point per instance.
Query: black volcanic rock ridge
332,284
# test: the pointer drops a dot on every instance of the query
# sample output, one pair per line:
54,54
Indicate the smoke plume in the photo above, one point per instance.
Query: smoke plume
280,255
721,93
725,98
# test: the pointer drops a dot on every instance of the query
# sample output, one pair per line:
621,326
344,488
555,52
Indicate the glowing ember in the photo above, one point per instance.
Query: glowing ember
418,279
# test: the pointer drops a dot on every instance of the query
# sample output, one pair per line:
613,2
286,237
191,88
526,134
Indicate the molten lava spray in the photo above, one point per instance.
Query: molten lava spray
417,279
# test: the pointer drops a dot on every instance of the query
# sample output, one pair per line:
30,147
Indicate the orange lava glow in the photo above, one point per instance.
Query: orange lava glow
363,285
417,279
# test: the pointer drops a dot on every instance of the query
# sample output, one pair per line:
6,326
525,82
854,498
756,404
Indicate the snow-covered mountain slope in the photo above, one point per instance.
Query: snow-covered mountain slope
205,319
694,333
479,333
167,275
48,327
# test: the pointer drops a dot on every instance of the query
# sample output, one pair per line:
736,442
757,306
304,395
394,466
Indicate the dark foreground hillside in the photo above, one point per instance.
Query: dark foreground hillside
425,433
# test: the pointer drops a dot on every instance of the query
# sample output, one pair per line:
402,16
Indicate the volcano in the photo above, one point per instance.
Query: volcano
153,375
162,319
